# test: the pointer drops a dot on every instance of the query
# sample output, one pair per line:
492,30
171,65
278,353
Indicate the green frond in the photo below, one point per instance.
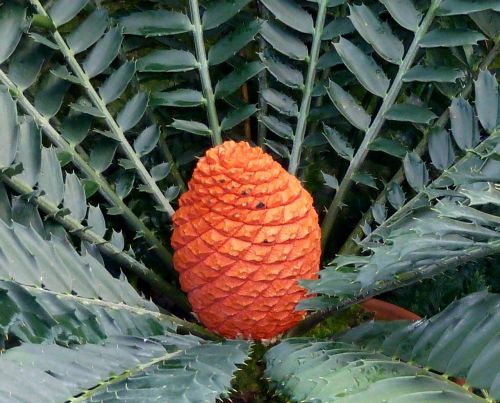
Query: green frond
51,292
41,181
435,140
42,98
99,58
416,63
446,223
292,65
169,368
461,341
218,38
330,371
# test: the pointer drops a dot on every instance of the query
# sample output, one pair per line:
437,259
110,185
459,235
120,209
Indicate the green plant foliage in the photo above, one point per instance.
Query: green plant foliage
328,371
50,292
63,198
388,111
80,123
373,78
420,240
460,341
178,368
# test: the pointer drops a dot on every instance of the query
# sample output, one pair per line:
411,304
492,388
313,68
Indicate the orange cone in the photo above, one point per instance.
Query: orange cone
244,234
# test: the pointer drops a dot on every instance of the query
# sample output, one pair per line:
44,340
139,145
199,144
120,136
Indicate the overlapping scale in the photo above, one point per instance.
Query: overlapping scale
244,234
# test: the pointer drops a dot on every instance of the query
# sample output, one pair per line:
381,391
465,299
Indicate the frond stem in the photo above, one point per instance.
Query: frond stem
206,83
104,385
376,125
190,327
305,105
165,150
263,83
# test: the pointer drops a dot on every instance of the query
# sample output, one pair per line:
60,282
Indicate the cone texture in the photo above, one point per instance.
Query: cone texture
244,234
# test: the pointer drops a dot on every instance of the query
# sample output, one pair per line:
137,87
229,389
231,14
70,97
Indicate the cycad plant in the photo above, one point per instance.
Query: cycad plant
387,111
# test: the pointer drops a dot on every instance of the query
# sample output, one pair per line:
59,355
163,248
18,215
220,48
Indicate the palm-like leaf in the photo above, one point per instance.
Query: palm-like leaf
283,32
103,52
41,99
369,361
40,179
325,371
51,294
49,291
168,368
370,74
461,341
445,224
182,58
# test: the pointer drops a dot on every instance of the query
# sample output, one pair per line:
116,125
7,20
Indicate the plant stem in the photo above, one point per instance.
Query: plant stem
206,83
426,272
305,105
165,150
247,129
263,83
261,127
118,133
376,125
104,188
319,101
106,247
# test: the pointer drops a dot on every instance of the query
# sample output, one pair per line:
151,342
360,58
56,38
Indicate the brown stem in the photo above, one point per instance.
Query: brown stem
386,311
247,127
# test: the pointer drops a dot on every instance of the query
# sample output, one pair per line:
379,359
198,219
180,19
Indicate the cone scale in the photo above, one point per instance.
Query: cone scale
244,234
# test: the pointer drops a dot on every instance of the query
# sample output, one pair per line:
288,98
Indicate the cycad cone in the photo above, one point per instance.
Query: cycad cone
244,234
